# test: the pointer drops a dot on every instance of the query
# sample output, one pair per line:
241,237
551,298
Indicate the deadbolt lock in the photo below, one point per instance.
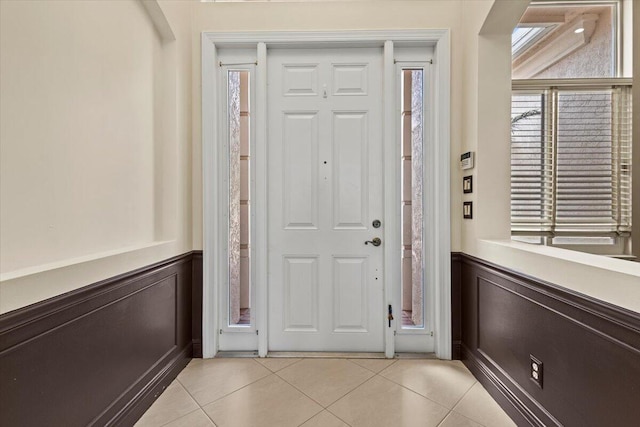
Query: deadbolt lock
376,223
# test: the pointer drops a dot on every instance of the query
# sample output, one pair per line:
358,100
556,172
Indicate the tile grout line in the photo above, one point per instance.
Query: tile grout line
415,392
273,372
305,394
234,391
222,397
470,419
185,415
445,418
376,373
347,394
197,403
324,407
276,374
462,415
164,391
312,416
336,415
188,392
426,397
388,367
465,393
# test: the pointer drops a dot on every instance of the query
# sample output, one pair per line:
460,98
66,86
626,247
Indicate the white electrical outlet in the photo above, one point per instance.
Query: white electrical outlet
535,370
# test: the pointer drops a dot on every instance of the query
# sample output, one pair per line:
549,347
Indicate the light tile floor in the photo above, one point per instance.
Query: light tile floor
295,392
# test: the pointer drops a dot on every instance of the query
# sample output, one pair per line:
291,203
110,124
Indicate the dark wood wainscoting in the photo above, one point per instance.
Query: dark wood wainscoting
590,350
99,355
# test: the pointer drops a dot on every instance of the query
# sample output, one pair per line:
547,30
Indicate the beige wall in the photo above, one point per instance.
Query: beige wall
95,144
88,193
77,130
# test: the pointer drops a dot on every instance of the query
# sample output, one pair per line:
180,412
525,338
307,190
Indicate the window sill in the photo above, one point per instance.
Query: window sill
611,280
26,286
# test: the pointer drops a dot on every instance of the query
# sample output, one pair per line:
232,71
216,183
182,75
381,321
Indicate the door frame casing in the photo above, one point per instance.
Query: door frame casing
440,224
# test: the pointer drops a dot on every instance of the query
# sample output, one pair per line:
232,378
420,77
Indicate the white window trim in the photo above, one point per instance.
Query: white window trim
440,39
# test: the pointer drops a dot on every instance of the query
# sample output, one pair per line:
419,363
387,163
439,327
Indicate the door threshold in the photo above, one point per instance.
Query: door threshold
326,355
322,355
229,354
347,355
416,356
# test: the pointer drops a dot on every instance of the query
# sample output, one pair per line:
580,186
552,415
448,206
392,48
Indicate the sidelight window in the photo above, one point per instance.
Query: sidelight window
239,198
412,142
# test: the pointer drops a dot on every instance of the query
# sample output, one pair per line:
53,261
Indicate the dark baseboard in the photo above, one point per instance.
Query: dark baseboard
197,349
150,392
590,349
456,350
101,354
500,391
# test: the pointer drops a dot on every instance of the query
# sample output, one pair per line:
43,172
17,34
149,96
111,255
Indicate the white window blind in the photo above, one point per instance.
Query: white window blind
571,160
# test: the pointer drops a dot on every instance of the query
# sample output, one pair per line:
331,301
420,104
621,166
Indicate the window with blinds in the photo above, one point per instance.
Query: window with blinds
571,163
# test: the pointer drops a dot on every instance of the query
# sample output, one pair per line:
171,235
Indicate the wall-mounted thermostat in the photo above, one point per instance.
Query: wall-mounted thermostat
466,160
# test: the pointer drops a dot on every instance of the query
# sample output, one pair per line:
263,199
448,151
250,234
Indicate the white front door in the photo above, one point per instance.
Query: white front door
325,190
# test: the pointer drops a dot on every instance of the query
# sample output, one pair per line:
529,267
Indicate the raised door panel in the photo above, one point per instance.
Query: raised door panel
300,80
350,296
301,301
350,79
300,170
350,171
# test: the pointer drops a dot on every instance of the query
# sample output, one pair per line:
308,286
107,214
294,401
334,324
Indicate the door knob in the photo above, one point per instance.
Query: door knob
375,242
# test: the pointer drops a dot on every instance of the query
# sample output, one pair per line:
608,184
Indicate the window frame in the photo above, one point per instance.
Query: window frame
619,30
621,244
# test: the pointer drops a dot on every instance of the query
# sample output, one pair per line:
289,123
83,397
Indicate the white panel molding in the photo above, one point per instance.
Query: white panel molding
296,288
295,83
350,154
440,39
343,284
442,221
344,77
353,38
392,240
211,190
260,200
300,171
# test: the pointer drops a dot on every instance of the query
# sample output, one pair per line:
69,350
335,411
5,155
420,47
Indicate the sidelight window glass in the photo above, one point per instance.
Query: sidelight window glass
411,149
239,199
